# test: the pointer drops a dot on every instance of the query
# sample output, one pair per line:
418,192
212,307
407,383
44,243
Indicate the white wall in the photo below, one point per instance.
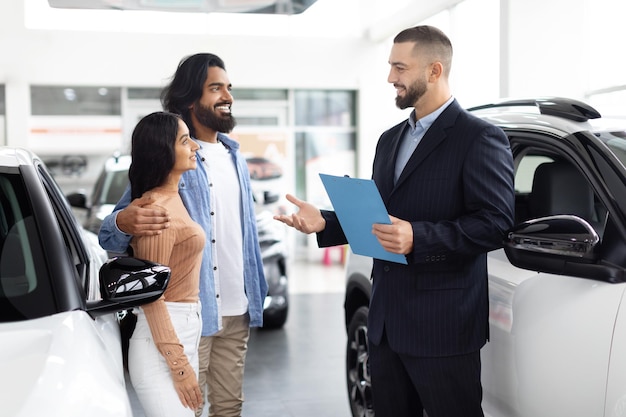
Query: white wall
569,48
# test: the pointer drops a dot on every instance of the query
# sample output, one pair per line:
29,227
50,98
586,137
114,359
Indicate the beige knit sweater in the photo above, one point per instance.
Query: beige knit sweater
179,247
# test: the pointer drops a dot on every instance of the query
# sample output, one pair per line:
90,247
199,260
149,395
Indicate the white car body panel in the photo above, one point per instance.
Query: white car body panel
64,364
526,358
61,366
616,390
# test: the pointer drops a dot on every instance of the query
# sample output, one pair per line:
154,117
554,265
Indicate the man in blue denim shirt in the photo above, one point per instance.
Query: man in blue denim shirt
218,197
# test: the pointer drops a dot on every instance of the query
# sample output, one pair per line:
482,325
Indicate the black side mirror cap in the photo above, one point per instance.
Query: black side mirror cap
78,200
566,236
561,245
127,282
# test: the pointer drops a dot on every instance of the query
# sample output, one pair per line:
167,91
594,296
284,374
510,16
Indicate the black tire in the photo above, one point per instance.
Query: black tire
276,320
357,366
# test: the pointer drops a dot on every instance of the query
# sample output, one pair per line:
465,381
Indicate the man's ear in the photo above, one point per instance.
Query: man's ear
436,71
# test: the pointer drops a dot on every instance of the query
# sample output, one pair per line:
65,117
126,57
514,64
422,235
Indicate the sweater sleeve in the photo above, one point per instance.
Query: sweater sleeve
158,249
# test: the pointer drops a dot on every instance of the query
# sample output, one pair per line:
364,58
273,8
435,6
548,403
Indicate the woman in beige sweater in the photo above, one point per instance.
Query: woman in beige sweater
163,361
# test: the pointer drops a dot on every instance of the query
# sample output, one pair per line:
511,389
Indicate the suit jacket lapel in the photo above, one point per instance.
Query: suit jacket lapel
434,137
390,162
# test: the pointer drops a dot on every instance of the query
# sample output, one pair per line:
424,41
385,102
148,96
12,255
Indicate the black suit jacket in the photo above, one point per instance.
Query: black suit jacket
457,192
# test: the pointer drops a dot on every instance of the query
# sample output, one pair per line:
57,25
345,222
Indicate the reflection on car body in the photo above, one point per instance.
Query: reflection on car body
59,336
557,326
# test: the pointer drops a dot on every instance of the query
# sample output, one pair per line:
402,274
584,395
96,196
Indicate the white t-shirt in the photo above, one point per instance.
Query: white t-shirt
227,232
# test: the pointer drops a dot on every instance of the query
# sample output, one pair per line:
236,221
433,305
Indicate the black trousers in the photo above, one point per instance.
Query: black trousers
406,386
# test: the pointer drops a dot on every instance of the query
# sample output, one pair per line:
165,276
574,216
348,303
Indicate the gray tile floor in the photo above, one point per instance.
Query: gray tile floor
298,371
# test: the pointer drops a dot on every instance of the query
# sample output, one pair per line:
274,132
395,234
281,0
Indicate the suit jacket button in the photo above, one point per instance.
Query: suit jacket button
386,268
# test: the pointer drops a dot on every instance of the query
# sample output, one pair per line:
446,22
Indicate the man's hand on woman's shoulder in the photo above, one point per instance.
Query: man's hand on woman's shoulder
138,220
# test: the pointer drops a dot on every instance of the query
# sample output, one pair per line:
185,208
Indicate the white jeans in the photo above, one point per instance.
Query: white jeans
147,368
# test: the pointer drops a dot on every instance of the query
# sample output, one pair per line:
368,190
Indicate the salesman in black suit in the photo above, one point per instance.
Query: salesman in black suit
446,178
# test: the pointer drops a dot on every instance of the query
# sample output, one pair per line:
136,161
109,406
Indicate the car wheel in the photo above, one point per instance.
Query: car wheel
357,365
276,320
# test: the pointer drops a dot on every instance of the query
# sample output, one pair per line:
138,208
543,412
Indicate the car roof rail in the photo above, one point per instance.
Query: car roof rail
555,106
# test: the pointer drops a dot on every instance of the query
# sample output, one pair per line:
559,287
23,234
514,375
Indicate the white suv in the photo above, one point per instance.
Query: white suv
557,327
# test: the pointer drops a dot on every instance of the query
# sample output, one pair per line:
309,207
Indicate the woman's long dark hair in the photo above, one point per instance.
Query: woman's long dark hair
186,85
152,151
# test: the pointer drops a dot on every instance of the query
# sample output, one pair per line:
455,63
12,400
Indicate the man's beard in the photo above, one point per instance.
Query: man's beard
211,119
413,94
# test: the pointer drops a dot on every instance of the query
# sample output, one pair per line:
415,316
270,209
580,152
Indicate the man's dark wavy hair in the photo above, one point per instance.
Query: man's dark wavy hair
152,151
186,85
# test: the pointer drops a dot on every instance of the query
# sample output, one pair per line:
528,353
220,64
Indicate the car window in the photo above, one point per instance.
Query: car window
547,184
526,170
114,187
24,280
97,189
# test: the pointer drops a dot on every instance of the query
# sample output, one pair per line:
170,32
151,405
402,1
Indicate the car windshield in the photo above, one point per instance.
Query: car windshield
114,187
24,284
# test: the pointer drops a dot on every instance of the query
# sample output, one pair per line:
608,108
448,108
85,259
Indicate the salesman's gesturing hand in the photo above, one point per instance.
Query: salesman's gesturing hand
307,220
396,237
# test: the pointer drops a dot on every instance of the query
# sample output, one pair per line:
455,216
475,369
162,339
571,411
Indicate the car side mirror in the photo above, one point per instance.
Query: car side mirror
270,197
563,235
562,245
127,282
78,200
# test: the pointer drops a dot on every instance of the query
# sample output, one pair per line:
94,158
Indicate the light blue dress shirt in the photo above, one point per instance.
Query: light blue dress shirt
413,135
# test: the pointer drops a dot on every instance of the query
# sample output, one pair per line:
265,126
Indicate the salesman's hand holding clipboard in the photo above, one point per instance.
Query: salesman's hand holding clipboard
358,205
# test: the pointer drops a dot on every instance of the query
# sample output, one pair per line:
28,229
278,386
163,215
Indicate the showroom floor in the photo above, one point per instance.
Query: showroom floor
298,371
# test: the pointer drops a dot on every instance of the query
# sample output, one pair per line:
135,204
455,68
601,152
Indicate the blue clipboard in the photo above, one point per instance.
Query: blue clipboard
358,205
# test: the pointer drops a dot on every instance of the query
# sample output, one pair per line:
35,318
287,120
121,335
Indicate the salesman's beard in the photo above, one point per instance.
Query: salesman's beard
213,120
413,93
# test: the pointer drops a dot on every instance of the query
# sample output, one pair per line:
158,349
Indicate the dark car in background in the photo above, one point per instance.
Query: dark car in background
557,321
263,169
59,301
112,182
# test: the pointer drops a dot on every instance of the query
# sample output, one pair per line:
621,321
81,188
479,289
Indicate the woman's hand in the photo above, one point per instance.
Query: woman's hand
186,384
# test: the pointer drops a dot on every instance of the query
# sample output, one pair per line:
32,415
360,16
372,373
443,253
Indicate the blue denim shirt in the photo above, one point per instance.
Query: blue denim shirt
194,191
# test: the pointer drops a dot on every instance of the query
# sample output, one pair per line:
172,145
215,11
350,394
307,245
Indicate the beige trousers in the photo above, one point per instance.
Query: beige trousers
222,358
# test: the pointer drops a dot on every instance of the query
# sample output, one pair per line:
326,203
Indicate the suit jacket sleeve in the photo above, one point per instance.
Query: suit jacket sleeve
332,235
